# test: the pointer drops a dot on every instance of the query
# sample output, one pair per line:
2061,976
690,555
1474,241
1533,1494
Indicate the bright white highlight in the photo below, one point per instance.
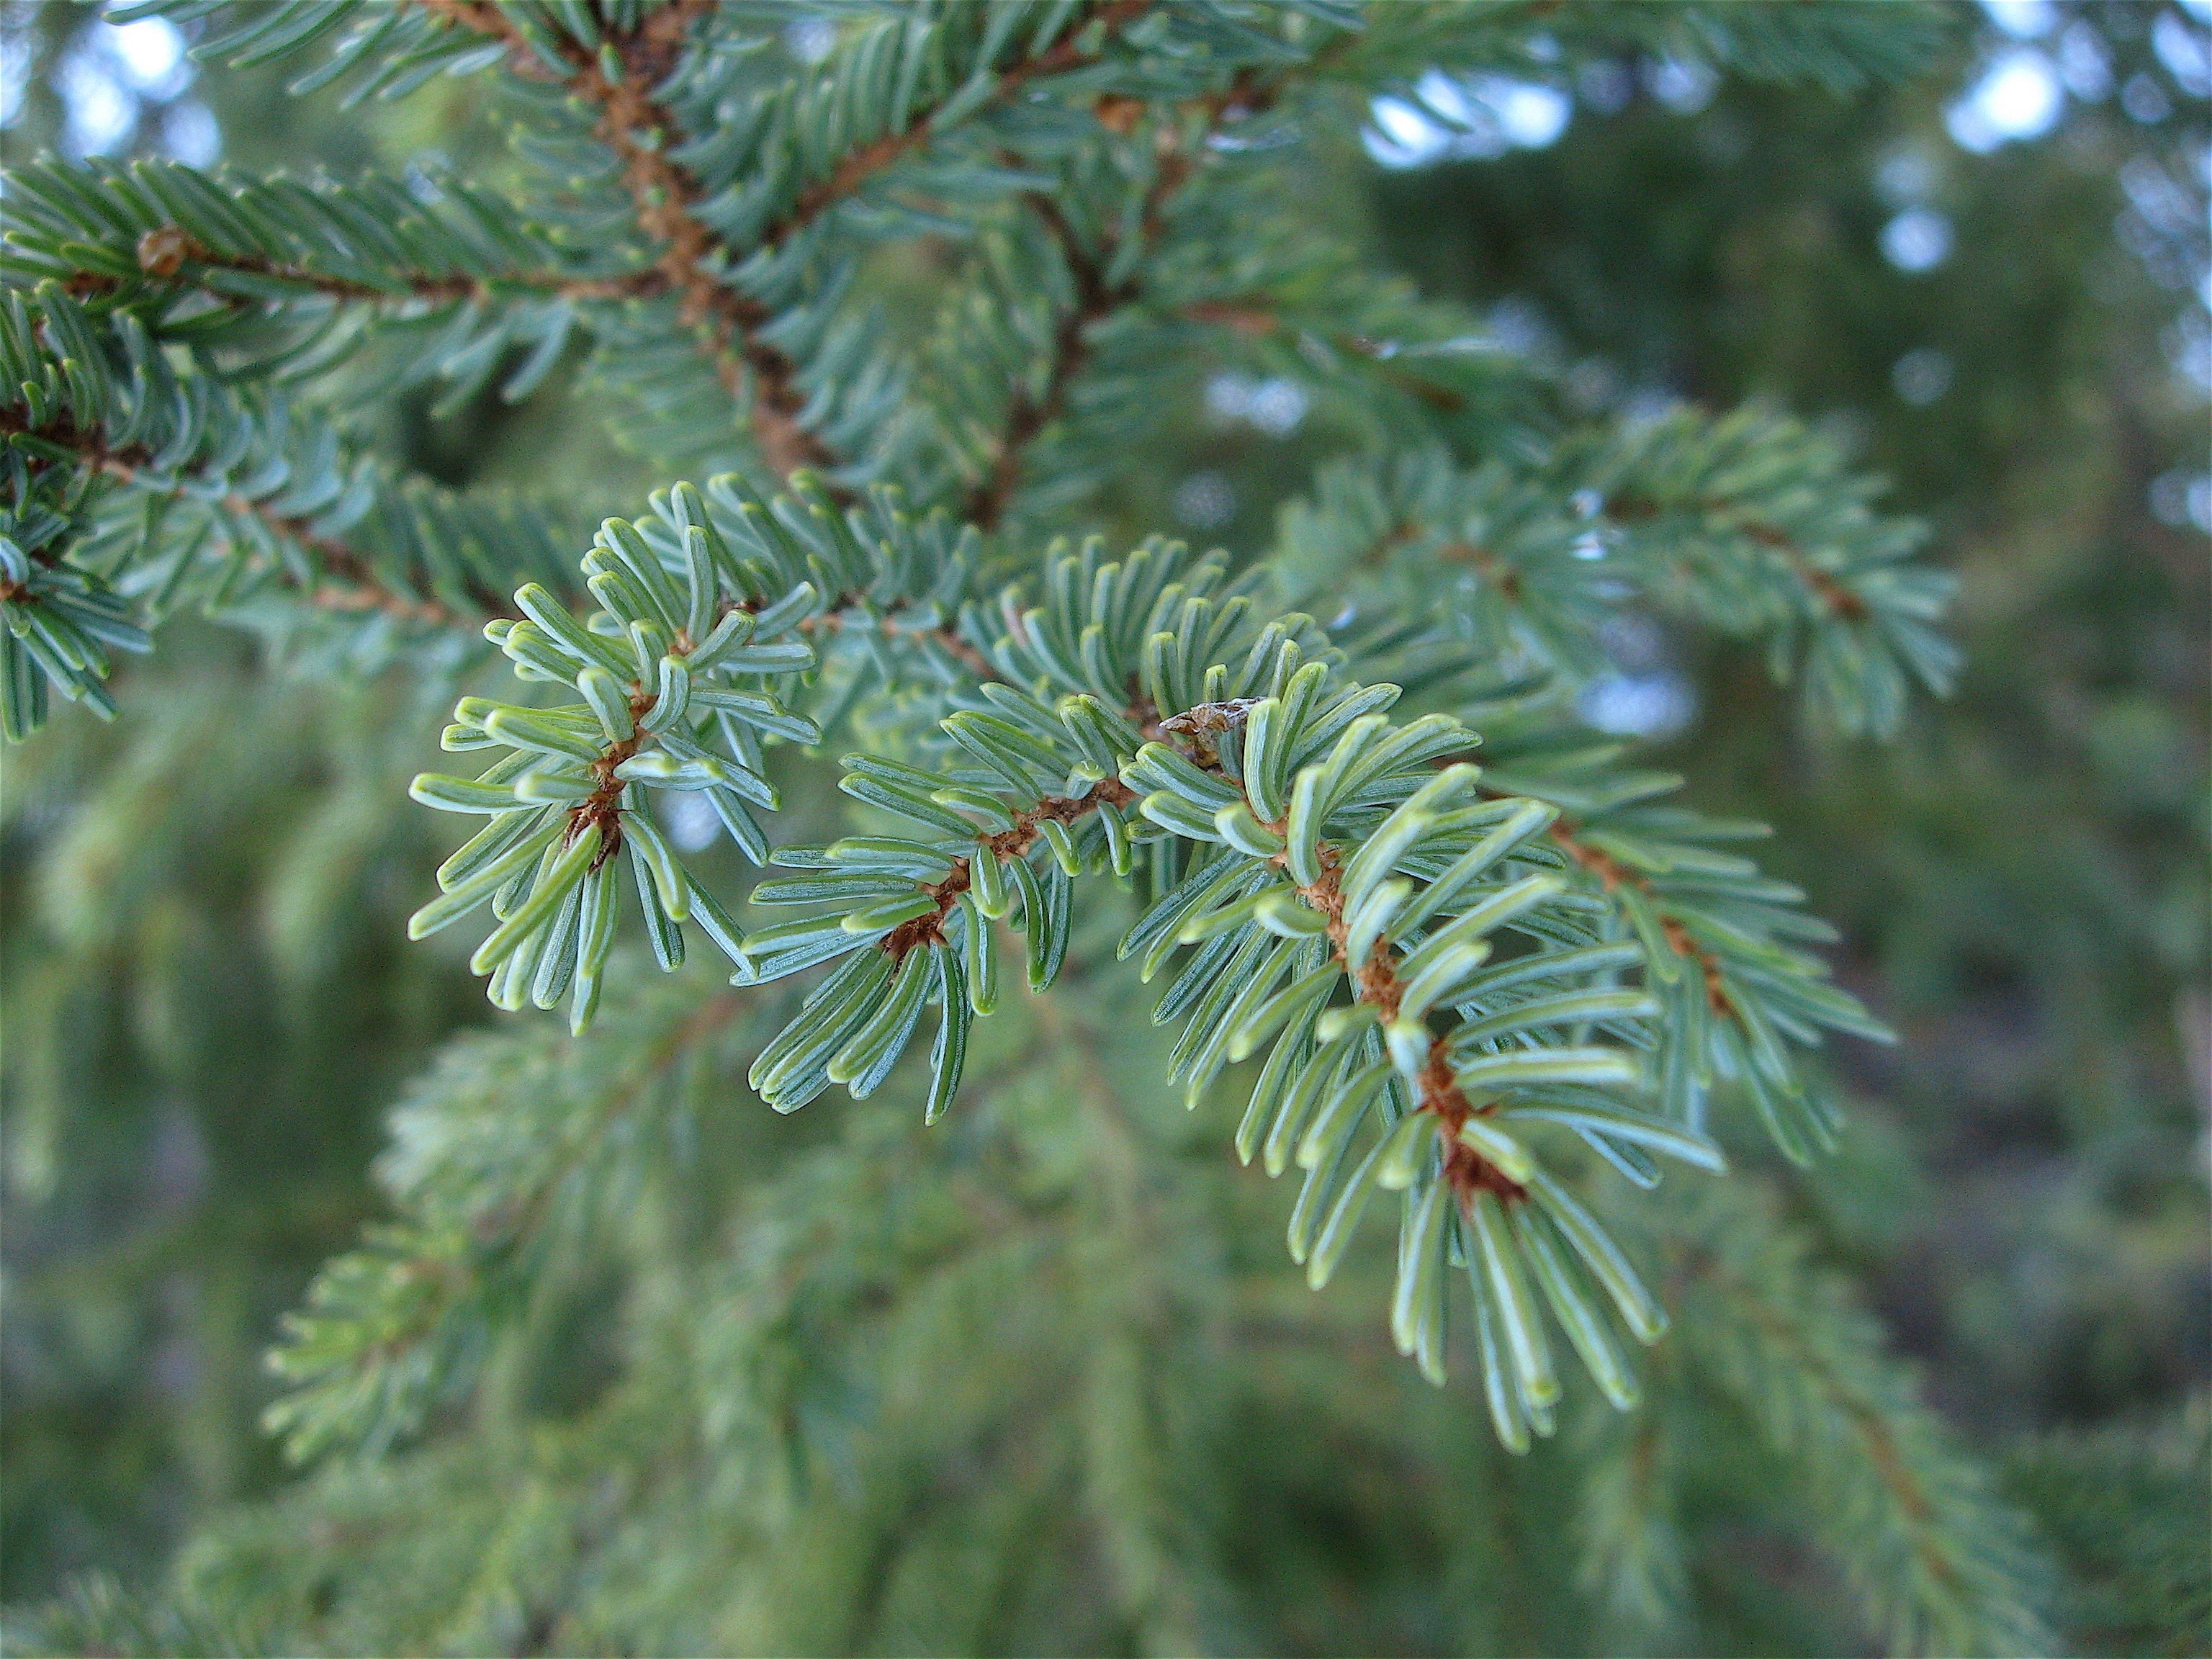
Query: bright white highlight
101,112
689,819
1921,377
2018,97
810,39
2023,19
15,75
2181,498
151,54
1449,118
2184,52
1918,240
1683,87
1275,405
2083,66
1204,500
189,135
1656,706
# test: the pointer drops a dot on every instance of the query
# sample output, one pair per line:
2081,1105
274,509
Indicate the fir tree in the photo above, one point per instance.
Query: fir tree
1422,932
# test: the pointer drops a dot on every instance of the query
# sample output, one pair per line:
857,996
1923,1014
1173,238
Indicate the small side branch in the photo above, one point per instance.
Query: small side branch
841,617
169,254
928,928
355,587
1612,875
1829,594
637,129
1377,981
1257,317
1029,415
1064,54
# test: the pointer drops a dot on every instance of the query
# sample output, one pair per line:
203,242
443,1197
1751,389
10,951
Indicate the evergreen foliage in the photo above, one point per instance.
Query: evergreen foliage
1425,930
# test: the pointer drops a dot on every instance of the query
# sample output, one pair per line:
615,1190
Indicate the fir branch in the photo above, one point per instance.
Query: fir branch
1826,593
2125,1505
1268,787
170,254
1375,979
1159,1581
1028,415
1261,316
637,130
520,1216
1938,1563
1612,875
847,614
1096,300
1146,716
357,587
1183,137
1750,523
1064,53
388,1326
928,929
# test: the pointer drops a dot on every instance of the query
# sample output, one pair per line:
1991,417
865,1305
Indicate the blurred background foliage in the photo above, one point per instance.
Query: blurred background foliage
1990,285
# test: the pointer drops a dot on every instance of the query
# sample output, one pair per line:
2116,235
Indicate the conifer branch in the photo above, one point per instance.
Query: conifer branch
1430,969
1746,523
357,587
1096,300
354,1356
1260,317
1004,845
1028,415
171,254
845,615
639,131
1182,135
1268,788
1064,54
1827,593
1612,875
1375,979
1939,1565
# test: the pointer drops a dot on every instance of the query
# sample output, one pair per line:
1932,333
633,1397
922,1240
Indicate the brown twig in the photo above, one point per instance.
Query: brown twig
836,620
928,928
358,588
1837,599
1493,569
637,130
1258,317
600,811
857,168
1028,415
1375,981
665,193
165,252
1613,874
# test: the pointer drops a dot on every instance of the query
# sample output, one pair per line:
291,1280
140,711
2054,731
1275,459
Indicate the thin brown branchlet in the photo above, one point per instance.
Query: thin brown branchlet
1375,981
1004,845
357,586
